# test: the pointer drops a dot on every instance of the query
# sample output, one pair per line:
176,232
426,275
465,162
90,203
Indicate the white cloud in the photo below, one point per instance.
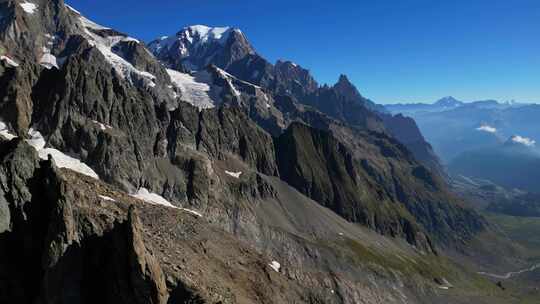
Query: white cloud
487,128
523,140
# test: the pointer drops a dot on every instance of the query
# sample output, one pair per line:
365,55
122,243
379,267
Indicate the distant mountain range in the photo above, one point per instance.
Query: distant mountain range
448,103
453,126
485,139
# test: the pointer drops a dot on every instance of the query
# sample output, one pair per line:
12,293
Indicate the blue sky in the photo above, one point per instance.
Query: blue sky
393,50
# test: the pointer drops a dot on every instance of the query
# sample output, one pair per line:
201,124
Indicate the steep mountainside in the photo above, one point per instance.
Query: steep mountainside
341,101
192,185
407,132
474,125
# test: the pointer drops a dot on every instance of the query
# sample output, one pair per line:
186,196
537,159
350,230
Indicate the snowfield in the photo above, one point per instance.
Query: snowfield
196,90
153,198
62,160
123,68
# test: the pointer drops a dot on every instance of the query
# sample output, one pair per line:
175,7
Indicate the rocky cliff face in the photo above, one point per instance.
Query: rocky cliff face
68,237
276,182
341,101
378,192
407,132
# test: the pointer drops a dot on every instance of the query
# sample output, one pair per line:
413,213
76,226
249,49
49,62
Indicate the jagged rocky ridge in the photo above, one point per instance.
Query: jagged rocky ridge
232,52
102,97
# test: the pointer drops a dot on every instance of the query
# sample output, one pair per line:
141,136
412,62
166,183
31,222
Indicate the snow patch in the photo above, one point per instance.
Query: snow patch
29,7
9,61
4,132
62,160
228,77
72,9
523,140
487,128
275,265
153,198
150,197
233,174
102,126
106,198
49,61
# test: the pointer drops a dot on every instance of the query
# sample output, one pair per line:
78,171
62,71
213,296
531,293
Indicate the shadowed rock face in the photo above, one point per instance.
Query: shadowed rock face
48,256
407,132
366,188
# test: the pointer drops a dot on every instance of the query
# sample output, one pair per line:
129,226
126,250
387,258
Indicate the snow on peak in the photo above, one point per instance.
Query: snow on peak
29,7
89,24
206,33
195,35
105,45
72,9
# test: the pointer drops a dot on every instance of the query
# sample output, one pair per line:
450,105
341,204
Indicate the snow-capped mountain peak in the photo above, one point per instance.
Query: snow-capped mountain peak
192,36
448,101
206,33
196,46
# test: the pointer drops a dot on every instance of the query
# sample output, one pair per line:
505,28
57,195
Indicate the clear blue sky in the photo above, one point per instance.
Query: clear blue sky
393,50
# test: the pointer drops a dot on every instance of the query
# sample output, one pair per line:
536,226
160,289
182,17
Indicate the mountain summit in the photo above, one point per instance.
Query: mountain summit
195,47
449,102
